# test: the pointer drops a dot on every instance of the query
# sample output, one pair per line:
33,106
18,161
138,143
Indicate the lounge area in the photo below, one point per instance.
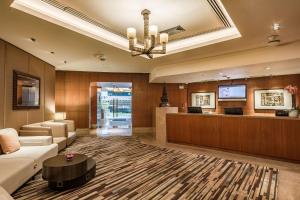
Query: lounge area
170,100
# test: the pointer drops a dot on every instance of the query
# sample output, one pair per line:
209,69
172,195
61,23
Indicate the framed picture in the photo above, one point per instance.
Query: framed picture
204,99
26,91
272,99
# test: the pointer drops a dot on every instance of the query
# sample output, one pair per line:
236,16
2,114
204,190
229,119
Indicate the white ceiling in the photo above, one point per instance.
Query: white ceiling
252,18
78,50
81,21
257,70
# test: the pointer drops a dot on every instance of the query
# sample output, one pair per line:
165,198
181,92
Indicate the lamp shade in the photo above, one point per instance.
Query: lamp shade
164,38
153,30
131,33
59,116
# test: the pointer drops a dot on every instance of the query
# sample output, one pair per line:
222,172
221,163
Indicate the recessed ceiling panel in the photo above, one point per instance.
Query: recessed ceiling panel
196,16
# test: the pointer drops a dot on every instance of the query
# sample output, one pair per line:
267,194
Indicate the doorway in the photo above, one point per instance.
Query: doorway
113,108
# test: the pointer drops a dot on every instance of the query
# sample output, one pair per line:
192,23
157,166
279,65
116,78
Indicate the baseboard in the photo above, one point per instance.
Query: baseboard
148,130
82,131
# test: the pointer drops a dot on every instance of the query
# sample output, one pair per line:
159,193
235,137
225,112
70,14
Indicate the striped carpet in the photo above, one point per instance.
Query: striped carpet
127,169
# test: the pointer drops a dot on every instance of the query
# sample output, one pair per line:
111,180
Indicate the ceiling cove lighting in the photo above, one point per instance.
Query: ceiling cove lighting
50,13
150,39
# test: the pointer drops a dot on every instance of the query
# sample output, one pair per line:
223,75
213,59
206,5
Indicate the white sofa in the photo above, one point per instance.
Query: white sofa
4,195
63,132
18,167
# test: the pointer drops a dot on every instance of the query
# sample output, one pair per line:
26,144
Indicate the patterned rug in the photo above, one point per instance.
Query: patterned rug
127,169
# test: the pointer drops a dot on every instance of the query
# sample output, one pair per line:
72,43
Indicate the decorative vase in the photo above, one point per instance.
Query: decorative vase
294,113
69,156
164,100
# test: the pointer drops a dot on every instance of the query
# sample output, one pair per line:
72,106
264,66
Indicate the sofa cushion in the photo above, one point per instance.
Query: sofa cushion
58,129
14,172
61,142
9,140
35,140
71,137
37,153
4,195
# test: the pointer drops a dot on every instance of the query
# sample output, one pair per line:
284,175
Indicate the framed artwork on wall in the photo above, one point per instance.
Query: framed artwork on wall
272,99
26,91
204,99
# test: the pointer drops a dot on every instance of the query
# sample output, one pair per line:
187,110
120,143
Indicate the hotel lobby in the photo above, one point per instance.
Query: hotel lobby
195,99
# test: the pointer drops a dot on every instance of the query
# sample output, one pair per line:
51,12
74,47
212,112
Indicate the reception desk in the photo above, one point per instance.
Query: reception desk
277,137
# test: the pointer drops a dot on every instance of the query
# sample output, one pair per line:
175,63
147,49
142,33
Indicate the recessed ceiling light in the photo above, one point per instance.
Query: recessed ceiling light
267,68
33,39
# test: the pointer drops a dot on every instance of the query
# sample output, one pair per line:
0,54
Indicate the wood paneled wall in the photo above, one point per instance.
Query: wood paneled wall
72,95
13,58
252,84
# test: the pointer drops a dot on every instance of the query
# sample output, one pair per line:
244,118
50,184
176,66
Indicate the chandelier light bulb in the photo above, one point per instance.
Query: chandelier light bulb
153,29
164,38
131,33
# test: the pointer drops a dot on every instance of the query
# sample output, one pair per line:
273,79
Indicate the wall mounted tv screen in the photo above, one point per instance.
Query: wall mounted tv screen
232,92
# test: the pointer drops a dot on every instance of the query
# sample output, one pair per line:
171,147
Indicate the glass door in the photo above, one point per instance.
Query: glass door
114,105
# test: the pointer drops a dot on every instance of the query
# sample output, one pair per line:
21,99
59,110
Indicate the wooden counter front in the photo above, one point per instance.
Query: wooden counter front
268,136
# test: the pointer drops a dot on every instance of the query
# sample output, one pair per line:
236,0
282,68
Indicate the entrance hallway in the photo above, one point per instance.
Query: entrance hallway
111,108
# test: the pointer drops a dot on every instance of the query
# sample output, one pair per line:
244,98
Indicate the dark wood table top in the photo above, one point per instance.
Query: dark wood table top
59,169
61,161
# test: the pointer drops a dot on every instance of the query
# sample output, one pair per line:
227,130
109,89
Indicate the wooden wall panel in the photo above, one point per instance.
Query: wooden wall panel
72,93
49,74
36,68
13,58
16,59
74,90
60,92
252,84
2,82
93,97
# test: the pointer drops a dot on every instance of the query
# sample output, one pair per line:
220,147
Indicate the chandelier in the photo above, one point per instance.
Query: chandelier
150,39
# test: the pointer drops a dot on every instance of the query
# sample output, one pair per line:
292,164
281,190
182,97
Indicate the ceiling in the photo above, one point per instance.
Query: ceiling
118,15
249,71
78,50
107,27
252,18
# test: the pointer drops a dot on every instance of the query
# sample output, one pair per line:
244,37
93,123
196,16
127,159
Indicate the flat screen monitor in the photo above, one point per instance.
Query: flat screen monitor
232,92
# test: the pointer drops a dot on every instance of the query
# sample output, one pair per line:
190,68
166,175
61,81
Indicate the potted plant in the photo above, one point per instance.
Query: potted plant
293,90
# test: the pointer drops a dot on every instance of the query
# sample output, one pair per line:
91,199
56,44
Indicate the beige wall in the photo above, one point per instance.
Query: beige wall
17,59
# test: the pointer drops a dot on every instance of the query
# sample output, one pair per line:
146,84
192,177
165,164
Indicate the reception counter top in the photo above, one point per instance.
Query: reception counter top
270,136
246,116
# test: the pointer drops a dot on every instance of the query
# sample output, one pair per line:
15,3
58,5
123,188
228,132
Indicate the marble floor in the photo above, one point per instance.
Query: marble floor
289,175
111,132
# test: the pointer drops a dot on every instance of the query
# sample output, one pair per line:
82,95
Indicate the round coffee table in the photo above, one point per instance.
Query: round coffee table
63,174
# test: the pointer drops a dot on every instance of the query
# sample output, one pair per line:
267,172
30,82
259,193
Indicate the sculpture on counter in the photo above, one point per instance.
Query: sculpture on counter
164,100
